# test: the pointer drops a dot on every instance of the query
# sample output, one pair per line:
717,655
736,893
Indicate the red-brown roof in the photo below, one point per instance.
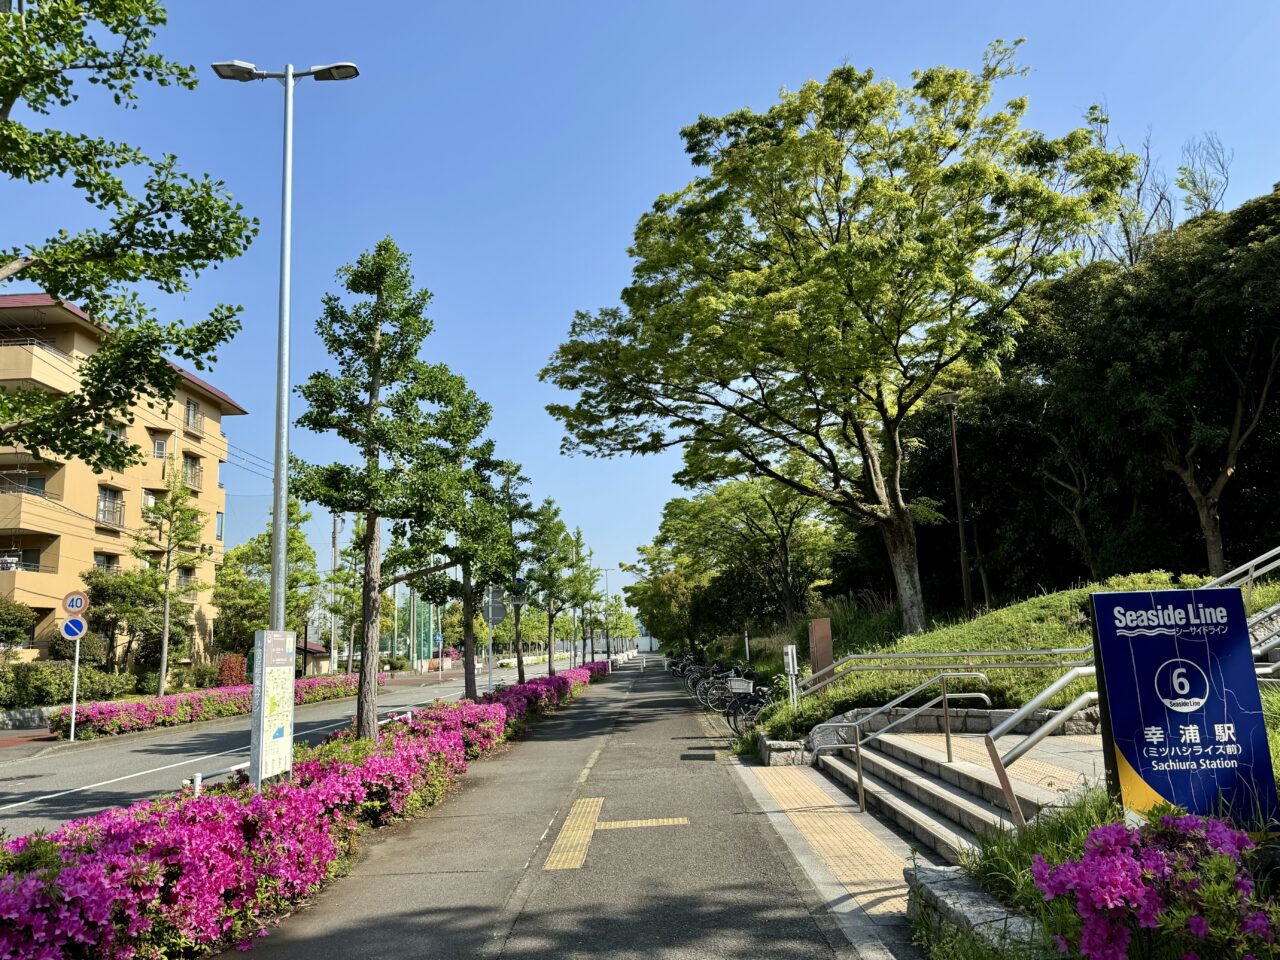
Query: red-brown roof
16,301
306,646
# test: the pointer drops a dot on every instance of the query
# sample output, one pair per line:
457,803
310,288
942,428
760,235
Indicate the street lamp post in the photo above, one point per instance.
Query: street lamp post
951,398
243,72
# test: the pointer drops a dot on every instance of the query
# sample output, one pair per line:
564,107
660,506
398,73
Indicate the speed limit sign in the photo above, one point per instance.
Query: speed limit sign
76,602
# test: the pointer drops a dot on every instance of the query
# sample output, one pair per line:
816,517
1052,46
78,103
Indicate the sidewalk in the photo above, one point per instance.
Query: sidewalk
619,828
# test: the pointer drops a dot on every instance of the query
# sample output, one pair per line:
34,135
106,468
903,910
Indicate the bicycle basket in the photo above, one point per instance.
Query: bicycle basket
739,685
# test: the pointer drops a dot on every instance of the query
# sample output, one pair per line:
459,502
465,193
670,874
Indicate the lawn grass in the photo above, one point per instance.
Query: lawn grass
1053,620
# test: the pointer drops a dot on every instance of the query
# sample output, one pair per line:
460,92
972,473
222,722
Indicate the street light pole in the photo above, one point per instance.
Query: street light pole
608,644
241,71
950,399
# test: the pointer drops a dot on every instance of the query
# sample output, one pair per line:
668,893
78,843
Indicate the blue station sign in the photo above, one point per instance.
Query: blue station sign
1182,715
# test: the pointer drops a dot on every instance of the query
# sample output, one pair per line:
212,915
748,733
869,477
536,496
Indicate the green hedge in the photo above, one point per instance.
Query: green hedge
45,683
1054,620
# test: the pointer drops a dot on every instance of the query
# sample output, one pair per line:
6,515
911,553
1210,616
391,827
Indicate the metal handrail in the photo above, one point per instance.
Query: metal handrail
909,667
833,667
1246,573
196,780
858,741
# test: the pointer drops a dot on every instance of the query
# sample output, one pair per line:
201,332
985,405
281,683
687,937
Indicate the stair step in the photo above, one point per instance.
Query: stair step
955,804
947,838
979,780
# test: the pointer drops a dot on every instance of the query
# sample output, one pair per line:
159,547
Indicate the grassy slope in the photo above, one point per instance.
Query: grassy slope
1053,620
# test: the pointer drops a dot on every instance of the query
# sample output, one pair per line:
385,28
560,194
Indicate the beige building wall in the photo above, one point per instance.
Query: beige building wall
57,517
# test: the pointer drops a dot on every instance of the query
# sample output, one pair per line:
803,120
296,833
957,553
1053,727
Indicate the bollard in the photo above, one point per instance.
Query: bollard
198,783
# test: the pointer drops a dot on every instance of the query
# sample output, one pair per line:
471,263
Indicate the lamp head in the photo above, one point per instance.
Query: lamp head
235,70
950,398
335,71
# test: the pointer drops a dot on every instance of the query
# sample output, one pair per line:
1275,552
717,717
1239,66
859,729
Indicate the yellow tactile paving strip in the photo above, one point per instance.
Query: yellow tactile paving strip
570,849
628,824
1039,773
569,852
864,865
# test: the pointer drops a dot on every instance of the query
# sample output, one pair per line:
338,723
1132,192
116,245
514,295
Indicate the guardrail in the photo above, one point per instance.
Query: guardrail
196,780
1244,575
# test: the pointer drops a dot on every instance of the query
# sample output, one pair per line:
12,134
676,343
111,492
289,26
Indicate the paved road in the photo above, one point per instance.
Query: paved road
46,788
471,879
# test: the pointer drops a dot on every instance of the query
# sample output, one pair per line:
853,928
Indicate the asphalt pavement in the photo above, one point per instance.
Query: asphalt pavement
618,828
45,785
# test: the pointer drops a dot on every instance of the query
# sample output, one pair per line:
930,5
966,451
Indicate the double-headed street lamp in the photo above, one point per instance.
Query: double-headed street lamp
950,399
243,72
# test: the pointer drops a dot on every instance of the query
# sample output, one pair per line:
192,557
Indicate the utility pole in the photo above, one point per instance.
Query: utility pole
413,616
333,600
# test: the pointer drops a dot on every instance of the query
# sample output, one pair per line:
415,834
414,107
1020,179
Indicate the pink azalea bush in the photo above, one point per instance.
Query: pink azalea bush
183,874
109,717
523,700
1177,887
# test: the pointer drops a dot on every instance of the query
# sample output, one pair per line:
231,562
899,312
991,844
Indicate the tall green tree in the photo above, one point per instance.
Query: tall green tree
402,415
518,513
552,548
162,233
1179,354
242,584
582,579
169,542
838,253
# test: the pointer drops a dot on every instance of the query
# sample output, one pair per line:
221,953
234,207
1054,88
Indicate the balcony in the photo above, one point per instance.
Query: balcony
111,513
34,587
24,510
193,476
193,422
37,362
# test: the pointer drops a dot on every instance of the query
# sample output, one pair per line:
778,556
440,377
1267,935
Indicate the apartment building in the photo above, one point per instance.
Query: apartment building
58,517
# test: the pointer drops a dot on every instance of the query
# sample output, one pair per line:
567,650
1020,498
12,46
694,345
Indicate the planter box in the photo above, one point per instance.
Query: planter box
944,899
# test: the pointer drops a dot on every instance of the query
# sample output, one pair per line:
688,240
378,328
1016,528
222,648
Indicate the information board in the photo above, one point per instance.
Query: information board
271,737
1182,716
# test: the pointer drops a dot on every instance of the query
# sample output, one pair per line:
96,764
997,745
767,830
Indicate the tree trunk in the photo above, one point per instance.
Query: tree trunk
468,636
1211,527
899,535
519,646
371,617
551,644
164,626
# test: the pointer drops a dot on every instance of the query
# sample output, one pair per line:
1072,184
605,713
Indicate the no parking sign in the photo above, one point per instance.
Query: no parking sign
1181,712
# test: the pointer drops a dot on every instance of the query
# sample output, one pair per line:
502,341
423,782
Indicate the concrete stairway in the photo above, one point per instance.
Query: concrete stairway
943,805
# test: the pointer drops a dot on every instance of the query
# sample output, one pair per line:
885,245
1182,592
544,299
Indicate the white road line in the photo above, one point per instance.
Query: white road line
183,763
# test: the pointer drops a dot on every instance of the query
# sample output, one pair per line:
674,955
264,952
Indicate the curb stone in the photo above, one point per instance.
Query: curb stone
945,898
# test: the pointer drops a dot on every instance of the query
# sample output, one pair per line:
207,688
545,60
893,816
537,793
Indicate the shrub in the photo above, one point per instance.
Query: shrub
184,875
1177,886
204,675
16,620
398,663
146,681
93,649
43,683
108,719
233,670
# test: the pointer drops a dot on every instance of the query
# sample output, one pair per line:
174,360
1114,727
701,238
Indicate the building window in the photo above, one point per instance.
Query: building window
186,577
158,448
218,526
109,562
192,473
35,484
194,419
110,507
114,430
148,498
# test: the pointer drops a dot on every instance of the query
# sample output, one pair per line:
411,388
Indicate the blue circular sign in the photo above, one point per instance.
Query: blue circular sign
73,627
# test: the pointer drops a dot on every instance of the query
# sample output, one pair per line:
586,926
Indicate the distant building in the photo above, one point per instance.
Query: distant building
57,517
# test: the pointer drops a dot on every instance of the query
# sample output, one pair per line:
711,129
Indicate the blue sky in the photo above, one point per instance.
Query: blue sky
510,147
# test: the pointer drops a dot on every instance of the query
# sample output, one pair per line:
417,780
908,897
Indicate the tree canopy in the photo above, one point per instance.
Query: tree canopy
158,227
840,253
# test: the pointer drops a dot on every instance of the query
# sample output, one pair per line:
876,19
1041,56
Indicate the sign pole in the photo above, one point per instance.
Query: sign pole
75,688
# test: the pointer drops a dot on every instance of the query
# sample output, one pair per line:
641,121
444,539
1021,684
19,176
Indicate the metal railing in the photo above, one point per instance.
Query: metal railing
193,422
858,740
33,342
193,476
961,660
196,780
111,513
1244,575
